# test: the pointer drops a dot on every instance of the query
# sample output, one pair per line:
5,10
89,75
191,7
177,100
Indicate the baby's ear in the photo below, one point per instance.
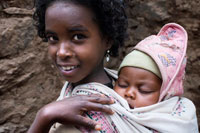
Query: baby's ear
174,34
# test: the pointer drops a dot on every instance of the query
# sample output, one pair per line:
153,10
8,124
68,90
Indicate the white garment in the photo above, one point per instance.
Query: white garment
175,115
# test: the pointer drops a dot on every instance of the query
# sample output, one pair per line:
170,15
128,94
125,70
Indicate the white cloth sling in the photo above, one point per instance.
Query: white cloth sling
175,115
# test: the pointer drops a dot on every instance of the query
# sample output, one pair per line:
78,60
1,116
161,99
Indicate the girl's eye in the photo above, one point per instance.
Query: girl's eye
52,39
79,37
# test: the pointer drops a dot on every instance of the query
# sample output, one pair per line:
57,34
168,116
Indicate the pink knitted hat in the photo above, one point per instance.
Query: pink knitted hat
168,50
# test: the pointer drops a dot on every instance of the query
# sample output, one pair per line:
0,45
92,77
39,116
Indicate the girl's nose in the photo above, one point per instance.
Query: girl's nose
64,50
130,93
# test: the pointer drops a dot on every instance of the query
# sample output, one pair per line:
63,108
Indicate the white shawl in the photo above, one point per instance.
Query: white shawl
175,115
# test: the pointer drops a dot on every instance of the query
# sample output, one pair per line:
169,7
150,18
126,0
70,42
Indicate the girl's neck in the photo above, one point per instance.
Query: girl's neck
98,75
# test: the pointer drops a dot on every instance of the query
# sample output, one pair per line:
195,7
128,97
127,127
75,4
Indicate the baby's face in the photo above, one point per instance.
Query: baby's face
138,86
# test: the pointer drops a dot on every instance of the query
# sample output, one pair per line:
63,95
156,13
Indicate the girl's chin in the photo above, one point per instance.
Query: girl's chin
70,79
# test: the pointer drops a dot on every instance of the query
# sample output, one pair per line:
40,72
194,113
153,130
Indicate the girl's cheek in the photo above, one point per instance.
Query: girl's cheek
52,52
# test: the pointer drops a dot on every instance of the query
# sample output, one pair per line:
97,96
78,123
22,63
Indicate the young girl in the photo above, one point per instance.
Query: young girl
149,88
80,33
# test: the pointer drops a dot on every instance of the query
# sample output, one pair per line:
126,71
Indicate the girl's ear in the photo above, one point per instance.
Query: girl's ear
109,43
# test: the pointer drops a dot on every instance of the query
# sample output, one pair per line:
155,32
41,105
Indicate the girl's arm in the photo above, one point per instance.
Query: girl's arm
69,111
43,121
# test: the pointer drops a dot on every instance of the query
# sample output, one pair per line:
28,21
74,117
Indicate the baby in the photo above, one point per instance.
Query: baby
139,80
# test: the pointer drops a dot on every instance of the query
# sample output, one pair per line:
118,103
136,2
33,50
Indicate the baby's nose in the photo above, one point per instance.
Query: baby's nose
130,93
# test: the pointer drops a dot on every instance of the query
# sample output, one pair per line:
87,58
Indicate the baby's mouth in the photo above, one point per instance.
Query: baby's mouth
132,107
129,103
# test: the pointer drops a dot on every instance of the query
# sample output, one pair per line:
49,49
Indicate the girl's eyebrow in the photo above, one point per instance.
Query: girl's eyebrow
49,32
73,29
78,28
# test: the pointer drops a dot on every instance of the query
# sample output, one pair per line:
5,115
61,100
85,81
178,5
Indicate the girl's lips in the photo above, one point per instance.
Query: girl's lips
68,70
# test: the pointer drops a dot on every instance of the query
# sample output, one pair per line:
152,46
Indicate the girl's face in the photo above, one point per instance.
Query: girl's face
138,86
75,42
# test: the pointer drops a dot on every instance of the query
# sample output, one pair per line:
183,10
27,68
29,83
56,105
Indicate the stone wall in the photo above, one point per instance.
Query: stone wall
27,77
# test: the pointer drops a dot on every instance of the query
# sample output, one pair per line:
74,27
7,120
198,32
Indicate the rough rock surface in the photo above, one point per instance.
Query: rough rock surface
27,77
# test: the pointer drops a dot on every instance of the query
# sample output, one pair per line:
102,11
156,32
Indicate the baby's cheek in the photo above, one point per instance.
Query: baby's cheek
119,91
143,101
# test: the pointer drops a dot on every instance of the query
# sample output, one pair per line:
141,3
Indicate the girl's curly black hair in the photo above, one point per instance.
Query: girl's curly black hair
109,14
